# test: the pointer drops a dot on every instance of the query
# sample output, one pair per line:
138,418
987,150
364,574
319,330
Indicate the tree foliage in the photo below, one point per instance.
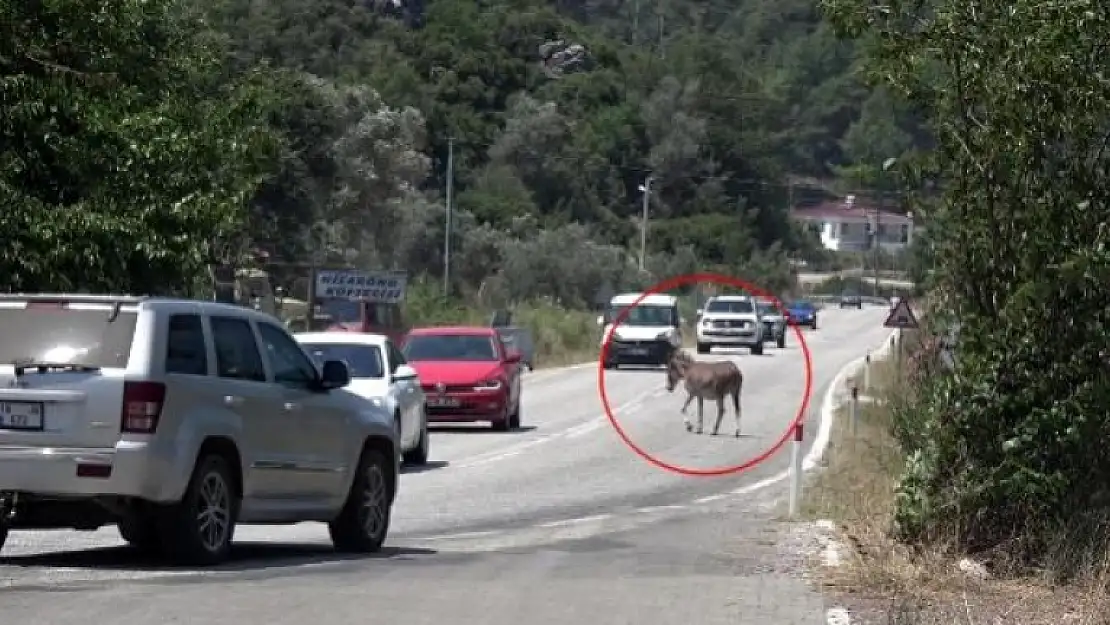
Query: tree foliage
1007,449
125,157
719,112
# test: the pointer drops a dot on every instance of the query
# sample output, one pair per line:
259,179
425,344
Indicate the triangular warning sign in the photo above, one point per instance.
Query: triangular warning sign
901,317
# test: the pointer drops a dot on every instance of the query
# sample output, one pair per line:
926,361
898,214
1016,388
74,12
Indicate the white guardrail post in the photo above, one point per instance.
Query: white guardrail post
796,472
855,409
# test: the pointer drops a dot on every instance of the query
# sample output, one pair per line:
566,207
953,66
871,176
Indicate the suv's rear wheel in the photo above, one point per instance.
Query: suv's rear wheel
363,522
199,528
757,348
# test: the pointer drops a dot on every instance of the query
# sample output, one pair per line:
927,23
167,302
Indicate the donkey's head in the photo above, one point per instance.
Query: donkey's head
676,368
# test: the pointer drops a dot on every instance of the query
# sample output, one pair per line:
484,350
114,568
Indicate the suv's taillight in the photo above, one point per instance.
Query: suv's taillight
142,405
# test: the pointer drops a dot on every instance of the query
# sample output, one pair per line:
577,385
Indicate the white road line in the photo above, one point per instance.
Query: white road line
577,521
711,498
652,509
462,536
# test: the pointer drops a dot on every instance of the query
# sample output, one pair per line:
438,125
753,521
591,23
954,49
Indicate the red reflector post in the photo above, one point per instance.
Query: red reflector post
142,406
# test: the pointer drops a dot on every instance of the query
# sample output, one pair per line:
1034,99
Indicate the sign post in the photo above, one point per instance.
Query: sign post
902,318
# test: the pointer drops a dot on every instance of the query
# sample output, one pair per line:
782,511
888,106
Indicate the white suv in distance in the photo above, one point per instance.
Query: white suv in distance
177,419
729,321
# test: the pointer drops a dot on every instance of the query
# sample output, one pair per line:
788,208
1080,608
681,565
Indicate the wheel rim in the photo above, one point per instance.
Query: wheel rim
213,512
375,504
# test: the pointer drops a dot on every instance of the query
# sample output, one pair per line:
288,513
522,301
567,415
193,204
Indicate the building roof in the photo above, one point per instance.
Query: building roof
848,208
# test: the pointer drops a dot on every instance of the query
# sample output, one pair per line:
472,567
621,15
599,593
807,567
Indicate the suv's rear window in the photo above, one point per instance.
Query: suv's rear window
83,336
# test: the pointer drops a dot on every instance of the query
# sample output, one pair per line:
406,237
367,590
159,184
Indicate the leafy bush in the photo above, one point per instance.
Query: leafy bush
1007,450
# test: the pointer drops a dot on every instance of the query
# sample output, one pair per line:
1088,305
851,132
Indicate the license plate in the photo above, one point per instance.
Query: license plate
20,415
637,351
444,402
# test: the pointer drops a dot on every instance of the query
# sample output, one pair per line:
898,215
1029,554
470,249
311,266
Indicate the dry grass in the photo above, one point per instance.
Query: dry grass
883,582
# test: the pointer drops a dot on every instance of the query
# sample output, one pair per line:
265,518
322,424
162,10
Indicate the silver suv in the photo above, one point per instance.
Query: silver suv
177,419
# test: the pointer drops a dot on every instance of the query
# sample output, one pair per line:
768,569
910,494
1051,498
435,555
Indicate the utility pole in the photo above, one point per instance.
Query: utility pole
646,188
875,261
447,216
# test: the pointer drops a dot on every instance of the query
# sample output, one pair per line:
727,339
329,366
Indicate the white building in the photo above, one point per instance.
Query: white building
846,225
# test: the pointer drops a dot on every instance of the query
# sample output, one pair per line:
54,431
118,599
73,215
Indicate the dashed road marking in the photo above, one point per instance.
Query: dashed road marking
584,519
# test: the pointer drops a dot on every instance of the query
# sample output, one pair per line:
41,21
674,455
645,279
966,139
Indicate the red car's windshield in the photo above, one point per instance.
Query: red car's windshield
450,347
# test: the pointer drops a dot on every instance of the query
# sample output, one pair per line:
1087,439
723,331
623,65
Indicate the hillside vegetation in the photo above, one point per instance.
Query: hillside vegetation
174,135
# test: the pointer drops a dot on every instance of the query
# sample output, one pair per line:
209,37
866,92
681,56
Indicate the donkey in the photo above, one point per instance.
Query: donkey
705,380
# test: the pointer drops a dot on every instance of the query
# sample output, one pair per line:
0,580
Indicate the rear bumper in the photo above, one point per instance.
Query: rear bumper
126,470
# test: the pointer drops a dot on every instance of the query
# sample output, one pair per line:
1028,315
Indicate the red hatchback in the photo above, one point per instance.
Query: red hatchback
467,375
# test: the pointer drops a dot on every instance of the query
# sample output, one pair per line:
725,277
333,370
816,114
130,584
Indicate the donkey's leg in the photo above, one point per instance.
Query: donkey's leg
720,414
685,417
701,413
736,404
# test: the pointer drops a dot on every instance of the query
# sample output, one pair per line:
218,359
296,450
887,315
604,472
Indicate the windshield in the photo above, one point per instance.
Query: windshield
51,333
801,306
450,347
645,315
729,306
363,361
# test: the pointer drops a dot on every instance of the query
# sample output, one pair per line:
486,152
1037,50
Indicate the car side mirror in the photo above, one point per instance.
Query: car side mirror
403,372
334,374
512,357
698,313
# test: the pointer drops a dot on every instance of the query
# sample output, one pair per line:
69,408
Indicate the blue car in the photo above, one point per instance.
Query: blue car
802,313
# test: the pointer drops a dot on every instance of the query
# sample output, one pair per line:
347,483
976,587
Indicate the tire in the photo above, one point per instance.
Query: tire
781,341
503,424
419,454
140,530
514,419
3,536
363,523
181,535
813,326
704,348
757,349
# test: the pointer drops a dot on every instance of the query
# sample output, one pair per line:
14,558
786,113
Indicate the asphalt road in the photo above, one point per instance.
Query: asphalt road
502,526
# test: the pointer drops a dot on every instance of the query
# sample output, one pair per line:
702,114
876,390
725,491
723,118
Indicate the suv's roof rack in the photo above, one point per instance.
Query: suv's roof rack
87,298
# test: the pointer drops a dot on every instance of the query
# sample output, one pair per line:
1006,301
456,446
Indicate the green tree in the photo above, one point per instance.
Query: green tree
1008,449
126,159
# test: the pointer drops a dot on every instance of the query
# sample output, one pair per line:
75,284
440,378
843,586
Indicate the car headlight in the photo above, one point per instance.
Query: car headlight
488,385
663,335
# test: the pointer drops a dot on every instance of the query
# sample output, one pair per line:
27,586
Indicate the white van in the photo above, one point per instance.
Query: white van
648,333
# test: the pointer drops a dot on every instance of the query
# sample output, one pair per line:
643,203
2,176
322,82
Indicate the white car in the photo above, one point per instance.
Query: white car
730,321
380,374
649,333
177,419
